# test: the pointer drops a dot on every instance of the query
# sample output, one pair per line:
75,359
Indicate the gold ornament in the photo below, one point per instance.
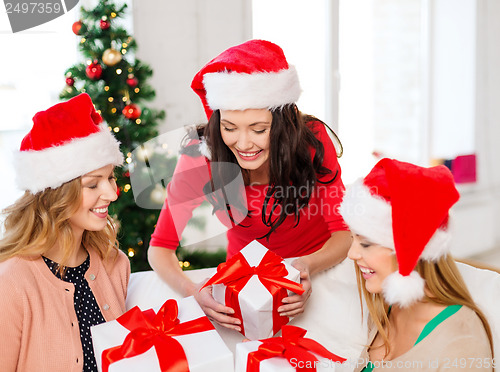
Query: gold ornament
158,194
111,57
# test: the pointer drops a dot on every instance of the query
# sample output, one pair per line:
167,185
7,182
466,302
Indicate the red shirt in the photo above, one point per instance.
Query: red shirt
317,221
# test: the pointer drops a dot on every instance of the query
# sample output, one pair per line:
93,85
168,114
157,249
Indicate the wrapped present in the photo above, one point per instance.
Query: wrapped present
291,352
253,283
178,338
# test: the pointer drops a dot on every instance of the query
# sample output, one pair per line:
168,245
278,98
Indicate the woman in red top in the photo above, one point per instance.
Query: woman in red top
290,179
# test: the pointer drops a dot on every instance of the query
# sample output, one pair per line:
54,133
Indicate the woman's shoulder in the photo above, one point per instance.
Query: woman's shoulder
17,275
14,266
463,330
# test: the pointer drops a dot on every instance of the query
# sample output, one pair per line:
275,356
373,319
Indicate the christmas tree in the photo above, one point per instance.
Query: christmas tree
117,83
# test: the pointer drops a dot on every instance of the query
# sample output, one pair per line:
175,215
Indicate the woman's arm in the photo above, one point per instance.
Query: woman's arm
166,264
333,252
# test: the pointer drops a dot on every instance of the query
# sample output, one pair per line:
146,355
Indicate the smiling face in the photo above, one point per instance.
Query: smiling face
246,133
374,261
98,191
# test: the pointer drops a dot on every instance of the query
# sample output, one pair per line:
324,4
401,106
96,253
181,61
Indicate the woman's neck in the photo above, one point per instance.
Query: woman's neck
77,256
258,176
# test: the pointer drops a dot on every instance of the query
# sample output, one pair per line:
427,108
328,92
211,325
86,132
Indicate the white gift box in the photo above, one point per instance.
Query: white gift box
256,303
205,351
276,364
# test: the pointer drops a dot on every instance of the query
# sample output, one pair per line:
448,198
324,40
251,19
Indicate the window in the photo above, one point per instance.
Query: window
408,78
406,67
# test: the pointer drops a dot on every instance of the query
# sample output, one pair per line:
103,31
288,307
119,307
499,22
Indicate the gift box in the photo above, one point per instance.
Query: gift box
253,283
291,352
176,338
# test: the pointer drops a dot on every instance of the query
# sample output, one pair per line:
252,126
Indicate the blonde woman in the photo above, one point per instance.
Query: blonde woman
422,315
60,269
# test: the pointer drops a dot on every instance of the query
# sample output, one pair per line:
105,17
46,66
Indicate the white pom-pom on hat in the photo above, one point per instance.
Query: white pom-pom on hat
403,290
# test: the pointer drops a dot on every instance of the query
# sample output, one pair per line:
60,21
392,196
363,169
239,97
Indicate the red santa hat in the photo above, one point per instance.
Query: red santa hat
65,142
403,207
254,74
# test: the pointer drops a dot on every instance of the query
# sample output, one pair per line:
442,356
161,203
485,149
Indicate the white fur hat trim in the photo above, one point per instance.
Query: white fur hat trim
241,91
38,170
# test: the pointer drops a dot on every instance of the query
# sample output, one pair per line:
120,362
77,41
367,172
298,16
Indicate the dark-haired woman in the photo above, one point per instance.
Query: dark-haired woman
291,179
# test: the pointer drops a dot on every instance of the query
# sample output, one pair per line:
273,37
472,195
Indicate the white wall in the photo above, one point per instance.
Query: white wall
176,38
488,102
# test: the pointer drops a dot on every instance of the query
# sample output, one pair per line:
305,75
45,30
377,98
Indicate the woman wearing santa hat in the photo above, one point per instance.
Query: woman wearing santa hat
290,178
422,315
61,271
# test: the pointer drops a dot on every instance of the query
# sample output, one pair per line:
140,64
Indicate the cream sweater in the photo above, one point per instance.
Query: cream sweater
38,324
459,343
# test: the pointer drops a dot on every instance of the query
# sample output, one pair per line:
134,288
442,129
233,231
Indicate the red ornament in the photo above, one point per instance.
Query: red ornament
77,27
104,24
132,81
126,174
118,191
70,81
131,111
94,70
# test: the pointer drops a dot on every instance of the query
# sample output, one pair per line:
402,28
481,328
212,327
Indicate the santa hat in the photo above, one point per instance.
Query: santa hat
254,74
403,207
65,142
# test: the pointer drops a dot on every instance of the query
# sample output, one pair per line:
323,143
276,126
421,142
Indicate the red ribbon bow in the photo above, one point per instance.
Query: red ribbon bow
293,346
148,329
236,272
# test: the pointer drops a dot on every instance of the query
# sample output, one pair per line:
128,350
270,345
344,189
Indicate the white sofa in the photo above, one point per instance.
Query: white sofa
333,315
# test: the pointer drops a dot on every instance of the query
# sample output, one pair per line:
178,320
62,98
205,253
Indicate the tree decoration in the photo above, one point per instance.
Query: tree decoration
70,81
158,194
104,24
94,70
77,28
111,57
132,81
131,111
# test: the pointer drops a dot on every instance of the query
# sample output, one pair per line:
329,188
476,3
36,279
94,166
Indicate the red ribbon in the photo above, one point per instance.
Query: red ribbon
148,329
293,346
236,272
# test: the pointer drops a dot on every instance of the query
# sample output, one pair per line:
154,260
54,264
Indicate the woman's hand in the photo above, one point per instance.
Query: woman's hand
295,304
216,311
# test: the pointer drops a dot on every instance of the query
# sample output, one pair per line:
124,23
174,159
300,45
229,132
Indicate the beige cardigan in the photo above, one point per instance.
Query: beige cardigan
38,324
459,343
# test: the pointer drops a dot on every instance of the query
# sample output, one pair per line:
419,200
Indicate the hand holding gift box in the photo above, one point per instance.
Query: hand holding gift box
291,352
253,283
178,338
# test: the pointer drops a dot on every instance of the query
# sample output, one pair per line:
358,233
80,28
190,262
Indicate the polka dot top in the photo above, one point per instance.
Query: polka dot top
86,308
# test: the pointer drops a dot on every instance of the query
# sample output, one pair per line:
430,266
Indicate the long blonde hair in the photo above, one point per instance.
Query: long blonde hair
35,222
445,285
